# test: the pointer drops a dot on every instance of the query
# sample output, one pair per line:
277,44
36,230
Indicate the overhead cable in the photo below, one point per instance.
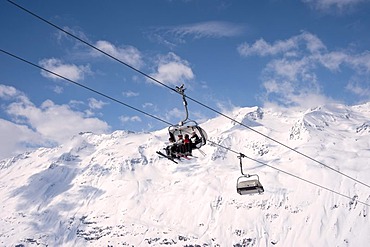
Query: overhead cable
90,45
192,99
290,174
85,87
164,121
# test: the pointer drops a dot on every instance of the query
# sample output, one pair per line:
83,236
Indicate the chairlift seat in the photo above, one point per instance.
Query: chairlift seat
249,186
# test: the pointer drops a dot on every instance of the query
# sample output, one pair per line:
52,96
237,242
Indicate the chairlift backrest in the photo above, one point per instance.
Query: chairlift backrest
189,128
250,186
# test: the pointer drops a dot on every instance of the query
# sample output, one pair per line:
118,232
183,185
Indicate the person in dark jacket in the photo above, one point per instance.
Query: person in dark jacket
195,140
188,145
171,149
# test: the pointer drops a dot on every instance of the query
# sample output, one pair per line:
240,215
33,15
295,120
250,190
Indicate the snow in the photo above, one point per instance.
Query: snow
114,190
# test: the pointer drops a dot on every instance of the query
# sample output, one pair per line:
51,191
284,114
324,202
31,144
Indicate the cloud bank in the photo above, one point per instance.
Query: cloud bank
210,29
175,35
127,54
172,70
337,5
48,124
290,77
70,71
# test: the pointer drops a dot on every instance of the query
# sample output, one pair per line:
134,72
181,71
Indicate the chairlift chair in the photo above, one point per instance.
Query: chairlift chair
186,127
245,185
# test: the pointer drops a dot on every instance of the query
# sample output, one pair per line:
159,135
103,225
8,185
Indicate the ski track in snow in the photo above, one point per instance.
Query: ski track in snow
114,190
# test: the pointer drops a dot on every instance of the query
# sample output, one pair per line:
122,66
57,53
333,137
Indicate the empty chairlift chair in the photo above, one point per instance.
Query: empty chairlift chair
247,185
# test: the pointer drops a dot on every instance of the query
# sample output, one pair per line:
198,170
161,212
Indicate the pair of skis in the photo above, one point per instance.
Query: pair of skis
179,156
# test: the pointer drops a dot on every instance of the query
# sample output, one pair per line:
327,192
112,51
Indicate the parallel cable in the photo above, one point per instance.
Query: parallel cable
280,143
192,99
164,121
290,174
86,87
90,45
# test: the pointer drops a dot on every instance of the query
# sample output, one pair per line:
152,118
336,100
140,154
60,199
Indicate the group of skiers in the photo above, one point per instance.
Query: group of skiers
183,146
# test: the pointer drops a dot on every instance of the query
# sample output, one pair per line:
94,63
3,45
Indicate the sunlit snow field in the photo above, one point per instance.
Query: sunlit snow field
114,190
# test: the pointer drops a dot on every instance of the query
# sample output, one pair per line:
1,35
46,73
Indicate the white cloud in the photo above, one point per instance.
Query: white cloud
278,87
286,93
356,88
55,122
16,138
32,126
125,119
58,89
225,106
70,71
176,114
127,54
292,72
96,104
60,36
262,48
288,81
76,103
8,92
173,36
89,113
289,47
360,62
130,94
212,29
312,42
340,5
11,93
150,105
289,69
333,60
172,70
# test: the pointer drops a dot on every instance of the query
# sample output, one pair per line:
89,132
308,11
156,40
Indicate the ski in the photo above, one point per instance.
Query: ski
183,156
192,156
170,158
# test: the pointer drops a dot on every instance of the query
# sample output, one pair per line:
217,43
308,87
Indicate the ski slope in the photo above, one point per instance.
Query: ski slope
114,190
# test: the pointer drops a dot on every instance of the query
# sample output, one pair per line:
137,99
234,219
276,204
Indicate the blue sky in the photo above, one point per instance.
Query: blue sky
227,53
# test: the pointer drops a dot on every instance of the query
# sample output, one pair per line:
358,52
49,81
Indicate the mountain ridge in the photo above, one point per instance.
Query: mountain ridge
112,189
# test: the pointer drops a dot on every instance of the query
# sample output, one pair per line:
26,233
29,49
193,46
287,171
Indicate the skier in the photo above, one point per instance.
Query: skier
171,149
180,144
195,139
188,145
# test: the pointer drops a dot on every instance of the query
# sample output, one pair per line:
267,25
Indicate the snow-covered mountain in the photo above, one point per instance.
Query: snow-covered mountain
114,190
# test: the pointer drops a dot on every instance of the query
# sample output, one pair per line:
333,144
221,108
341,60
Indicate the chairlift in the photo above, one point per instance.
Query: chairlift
245,185
250,186
196,134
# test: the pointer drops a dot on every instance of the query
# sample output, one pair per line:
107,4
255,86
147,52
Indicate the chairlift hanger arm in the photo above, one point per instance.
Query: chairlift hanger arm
241,156
241,164
181,90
